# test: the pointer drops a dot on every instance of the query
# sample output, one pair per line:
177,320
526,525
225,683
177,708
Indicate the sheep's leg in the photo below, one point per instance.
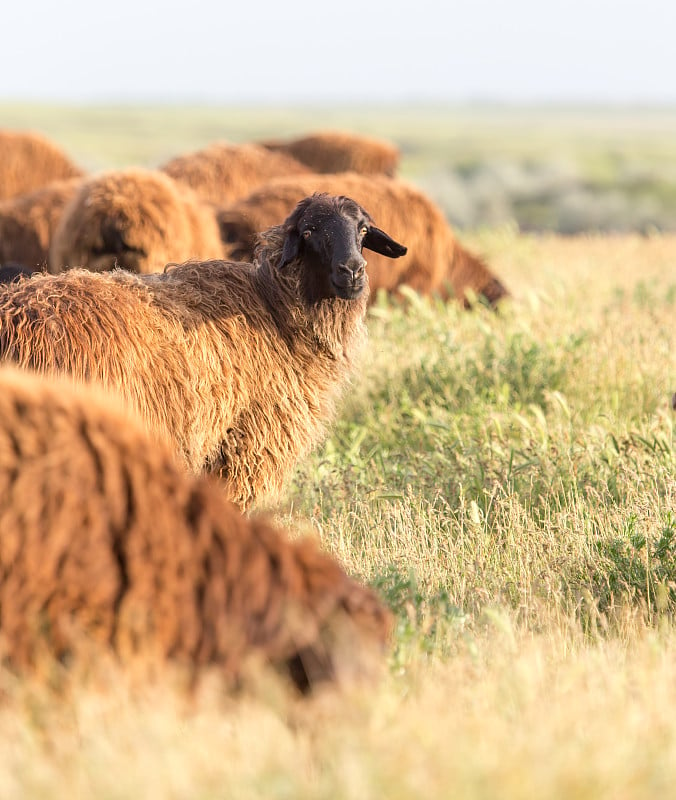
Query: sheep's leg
256,454
245,470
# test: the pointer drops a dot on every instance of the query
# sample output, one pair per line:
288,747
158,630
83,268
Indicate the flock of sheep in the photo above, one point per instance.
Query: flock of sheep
176,340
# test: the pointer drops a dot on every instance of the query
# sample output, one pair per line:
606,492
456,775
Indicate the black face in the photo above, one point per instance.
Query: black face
114,251
328,233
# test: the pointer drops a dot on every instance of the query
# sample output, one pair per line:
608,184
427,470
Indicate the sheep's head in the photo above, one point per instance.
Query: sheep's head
327,234
134,219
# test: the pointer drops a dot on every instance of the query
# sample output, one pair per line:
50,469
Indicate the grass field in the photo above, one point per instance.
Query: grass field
508,483
560,169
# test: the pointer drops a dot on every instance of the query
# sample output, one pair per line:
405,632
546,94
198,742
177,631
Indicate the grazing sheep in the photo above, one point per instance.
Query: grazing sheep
340,151
222,172
239,364
137,219
28,161
436,263
106,542
28,222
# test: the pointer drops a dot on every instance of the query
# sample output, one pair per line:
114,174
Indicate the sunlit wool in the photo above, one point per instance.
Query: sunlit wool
341,151
106,541
137,219
28,160
223,172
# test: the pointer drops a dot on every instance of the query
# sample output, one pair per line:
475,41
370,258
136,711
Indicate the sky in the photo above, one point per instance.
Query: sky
326,51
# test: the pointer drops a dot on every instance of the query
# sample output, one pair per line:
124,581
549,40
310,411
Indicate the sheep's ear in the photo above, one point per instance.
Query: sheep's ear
380,242
290,249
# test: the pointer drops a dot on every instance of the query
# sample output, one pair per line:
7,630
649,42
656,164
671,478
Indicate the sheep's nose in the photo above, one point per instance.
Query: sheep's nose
358,269
354,268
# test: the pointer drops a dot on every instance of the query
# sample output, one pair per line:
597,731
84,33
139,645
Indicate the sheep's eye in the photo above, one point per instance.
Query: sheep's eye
363,230
307,234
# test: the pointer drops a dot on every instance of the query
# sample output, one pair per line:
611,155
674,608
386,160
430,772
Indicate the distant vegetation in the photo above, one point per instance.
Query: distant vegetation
563,170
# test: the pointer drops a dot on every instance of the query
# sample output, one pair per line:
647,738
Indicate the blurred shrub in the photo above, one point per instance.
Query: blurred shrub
554,196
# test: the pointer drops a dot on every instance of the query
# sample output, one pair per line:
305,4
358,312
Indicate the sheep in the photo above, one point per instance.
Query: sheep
28,222
222,172
28,161
138,219
106,543
239,364
340,151
436,263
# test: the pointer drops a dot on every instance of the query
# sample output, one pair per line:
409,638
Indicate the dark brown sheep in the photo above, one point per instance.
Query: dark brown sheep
238,364
137,219
223,172
436,263
340,151
28,222
107,542
28,161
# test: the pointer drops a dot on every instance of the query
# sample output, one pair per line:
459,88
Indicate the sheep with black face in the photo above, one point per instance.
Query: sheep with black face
239,365
331,246
436,262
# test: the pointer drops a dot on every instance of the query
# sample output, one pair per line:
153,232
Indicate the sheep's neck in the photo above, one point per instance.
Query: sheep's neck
330,324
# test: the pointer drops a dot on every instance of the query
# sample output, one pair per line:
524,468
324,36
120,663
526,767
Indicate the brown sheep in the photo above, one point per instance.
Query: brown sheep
105,539
137,219
436,263
28,222
239,364
28,161
340,151
222,172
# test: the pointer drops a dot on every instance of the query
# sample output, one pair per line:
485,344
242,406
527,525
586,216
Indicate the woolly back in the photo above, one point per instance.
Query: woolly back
136,219
103,328
223,172
28,222
106,541
28,160
341,151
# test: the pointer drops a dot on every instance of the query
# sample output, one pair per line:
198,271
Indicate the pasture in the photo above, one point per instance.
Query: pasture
506,481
